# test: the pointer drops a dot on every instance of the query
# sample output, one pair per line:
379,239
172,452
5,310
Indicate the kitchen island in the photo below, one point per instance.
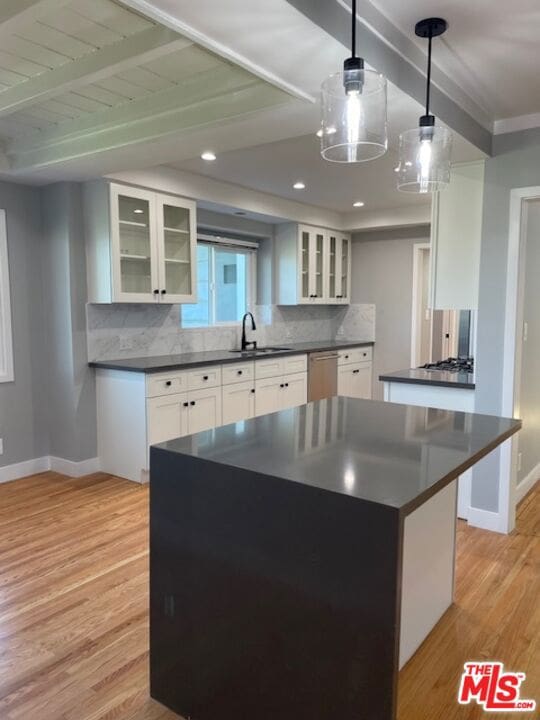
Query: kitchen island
298,559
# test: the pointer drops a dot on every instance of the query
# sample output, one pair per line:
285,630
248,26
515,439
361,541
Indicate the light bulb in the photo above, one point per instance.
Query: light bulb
354,121
424,160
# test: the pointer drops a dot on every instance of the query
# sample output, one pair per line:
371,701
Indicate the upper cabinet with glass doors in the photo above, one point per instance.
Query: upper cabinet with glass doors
141,245
313,266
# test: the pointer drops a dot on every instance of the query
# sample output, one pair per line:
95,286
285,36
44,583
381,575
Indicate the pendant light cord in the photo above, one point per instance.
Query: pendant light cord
353,32
428,87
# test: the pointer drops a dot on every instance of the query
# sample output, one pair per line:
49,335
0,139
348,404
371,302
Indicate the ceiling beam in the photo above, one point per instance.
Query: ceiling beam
143,47
14,13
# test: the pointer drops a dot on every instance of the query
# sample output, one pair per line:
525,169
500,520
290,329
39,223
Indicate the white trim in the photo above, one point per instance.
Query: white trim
74,469
516,124
46,463
527,484
24,469
6,334
486,520
418,249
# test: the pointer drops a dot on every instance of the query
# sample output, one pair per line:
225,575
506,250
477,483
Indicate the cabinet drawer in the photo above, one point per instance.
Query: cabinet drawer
165,384
272,367
203,378
237,372
355,355
295,364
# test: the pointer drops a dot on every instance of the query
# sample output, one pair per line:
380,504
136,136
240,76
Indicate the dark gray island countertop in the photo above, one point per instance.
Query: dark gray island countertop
393,455
436,378
162,363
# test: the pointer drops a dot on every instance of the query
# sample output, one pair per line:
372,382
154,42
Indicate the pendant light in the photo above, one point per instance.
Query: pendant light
424,153
353,124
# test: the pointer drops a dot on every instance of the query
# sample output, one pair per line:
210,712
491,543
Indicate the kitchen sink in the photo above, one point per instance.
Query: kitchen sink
261,350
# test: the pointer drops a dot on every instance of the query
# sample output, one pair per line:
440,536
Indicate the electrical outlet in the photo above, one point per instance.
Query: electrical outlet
1,446
126,343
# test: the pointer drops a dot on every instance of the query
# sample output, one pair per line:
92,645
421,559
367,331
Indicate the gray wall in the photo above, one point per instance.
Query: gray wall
70,385
382,273
529,437
23,422
516,163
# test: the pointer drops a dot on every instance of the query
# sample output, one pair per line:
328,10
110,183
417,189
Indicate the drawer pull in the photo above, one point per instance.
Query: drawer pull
252,390
186,404
346,357
286,384
192,402
356,371
239,372
281,385
168,383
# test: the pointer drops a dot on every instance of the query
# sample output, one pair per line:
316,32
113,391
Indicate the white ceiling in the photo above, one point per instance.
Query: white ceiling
491,49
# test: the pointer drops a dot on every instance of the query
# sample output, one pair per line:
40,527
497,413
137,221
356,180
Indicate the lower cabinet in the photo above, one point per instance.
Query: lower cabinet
173,416
355,380
280,393
238,402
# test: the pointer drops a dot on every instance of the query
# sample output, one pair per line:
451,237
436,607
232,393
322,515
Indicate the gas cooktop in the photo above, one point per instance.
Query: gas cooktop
463,365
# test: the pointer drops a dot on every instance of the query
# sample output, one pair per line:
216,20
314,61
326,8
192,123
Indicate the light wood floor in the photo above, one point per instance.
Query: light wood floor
74,601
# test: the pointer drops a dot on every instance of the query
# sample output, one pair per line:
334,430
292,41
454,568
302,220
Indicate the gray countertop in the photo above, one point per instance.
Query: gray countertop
437,378
392,455
162,363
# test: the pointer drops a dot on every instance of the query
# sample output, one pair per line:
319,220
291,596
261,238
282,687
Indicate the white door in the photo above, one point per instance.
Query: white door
167,417
360,384
345,383
134,251
344,270
238,402
177,242
294,390
333,283
268,395
204,410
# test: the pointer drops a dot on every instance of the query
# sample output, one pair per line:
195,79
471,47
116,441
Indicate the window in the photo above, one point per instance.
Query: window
6,347
225,285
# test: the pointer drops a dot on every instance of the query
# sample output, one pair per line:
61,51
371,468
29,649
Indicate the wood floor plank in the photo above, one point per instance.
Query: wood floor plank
74,606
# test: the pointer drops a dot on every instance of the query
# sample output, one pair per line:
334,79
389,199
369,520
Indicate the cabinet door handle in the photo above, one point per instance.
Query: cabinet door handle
163,292
192,402
186,404
168,383
286,384
156,292
356,371
281,385
252,390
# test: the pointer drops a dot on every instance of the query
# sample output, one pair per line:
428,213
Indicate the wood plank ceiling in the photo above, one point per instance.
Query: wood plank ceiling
77,75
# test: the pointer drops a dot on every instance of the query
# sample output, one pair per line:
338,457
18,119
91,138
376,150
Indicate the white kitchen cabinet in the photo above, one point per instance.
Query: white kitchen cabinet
204,409
167,417
456,236
280,393
355,380
238,402
140,245
313,265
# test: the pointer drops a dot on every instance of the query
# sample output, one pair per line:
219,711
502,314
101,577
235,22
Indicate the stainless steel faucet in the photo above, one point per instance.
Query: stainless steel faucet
245,343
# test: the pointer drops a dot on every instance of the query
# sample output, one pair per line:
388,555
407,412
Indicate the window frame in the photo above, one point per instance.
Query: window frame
6,330
250,250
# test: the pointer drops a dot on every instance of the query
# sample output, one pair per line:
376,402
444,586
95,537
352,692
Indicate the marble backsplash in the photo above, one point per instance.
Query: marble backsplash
122,331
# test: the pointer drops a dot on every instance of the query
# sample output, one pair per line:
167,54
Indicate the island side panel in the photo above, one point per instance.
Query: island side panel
269,599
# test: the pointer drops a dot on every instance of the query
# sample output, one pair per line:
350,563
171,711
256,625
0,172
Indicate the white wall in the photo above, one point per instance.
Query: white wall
382,273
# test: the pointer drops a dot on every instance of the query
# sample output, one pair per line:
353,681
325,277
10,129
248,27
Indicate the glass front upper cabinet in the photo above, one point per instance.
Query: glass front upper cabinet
153,248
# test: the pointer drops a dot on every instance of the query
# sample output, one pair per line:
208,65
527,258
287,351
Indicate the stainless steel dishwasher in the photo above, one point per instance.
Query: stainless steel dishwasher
322,375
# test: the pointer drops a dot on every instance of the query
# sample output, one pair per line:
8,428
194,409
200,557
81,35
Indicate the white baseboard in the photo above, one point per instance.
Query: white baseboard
22,469
74,469
42,464
528,483
486,520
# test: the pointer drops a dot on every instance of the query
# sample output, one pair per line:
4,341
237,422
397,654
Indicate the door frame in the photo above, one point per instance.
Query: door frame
509,492
418,249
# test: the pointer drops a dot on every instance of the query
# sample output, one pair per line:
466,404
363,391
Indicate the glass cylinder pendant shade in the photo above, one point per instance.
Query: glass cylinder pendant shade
353,124
424,159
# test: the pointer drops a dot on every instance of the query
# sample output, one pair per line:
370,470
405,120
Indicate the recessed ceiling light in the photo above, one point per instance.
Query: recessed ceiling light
299,185
138,211
358,203
208,155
